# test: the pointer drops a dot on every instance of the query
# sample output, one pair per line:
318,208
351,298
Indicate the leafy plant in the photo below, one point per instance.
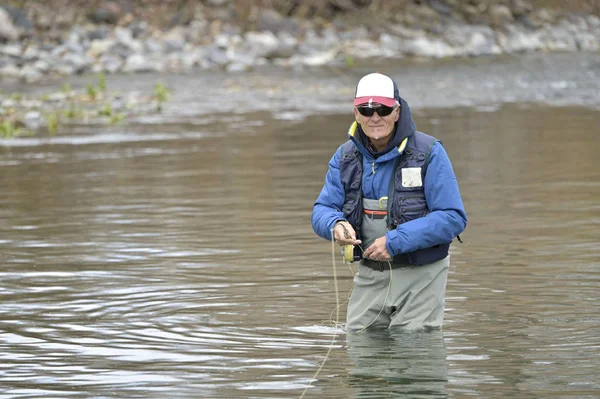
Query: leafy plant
9,130
52,121
73,112
102,82
92,91
161,95
116,118
106,111
349,61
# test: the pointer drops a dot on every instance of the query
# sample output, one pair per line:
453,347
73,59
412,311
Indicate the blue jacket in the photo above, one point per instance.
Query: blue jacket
447,217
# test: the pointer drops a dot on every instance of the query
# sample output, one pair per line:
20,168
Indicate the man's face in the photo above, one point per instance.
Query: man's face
376,127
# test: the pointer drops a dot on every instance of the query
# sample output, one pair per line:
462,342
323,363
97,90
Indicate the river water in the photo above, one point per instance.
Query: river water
173,257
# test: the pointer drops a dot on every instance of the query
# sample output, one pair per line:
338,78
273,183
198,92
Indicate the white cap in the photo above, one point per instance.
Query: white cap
375,88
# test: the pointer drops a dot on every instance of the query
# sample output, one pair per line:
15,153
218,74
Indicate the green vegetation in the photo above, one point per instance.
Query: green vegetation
92,91
161,95
9,129
116,118
102,82
349,61
95,104
52,121
106,111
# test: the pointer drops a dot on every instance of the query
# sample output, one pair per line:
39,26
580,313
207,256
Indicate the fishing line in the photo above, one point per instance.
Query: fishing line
337,316
337,308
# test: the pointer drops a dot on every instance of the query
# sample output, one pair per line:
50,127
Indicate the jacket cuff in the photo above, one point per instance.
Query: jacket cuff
391,240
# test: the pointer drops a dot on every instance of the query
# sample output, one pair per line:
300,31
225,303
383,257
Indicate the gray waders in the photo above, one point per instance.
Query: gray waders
409,297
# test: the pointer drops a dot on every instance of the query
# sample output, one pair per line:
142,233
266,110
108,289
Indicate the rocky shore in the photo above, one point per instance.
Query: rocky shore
43,40
38,44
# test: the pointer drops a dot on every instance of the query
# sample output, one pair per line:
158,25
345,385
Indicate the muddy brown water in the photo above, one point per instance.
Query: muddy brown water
177,260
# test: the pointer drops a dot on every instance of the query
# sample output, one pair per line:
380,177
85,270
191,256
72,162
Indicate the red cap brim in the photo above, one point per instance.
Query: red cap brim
389,102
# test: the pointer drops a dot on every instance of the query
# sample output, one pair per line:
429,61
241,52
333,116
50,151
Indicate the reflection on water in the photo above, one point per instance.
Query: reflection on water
184,265
396,364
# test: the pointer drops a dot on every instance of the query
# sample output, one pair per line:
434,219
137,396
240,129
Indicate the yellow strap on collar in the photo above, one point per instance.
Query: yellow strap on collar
352,129
402,145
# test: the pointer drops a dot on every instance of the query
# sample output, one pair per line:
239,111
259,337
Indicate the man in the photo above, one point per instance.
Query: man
391,192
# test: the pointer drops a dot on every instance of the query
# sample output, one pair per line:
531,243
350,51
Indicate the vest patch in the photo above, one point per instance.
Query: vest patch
411,177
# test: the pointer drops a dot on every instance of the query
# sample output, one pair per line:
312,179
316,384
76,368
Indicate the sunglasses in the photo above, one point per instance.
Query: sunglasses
381,110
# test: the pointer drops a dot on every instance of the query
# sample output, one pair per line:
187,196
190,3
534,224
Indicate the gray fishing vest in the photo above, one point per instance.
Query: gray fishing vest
405,201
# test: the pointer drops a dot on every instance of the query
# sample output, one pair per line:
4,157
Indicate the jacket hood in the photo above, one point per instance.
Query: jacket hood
404,128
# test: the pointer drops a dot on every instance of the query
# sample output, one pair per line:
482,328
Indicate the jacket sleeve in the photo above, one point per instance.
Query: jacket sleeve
447,217
327,208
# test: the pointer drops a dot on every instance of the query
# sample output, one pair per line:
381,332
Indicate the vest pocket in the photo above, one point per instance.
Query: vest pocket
412,207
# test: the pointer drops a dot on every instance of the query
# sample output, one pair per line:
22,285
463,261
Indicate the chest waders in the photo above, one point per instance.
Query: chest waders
405,202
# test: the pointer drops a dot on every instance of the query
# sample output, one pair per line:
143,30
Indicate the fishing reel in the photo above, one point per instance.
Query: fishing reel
351,253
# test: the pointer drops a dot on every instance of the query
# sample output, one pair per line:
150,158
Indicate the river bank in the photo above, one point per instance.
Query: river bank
244,101
48,46
42,42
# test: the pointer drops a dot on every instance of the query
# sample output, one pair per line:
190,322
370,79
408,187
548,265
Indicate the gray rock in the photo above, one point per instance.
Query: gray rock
79,62
138,63
403,32
12,50
10,71
593,22
237,67
121,50
521,8
32,53
272,21
429,47
472,40
5,60
42,65
20,20
587,41
74,47
32,120
239,56
8,31
441,7
174,40
393,46
107,13
221,41
99,47
138,28
125,37
31,104
319,43
58,97
216,56
316,58
365,48
99,33
515,40
559,37
500,15
262,44
111,63
190,59
62,68
541,17
217,3
153,46
287,46
8,103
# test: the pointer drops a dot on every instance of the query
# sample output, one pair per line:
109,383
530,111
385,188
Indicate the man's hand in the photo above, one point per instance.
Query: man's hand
344,234
377,251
